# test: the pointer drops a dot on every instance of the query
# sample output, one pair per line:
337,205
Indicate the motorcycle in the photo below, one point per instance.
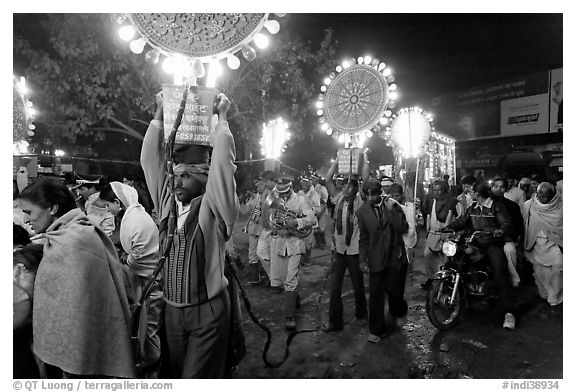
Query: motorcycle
461,280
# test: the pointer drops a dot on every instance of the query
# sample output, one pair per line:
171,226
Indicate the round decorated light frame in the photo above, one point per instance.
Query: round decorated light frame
203,37
396,136
356,98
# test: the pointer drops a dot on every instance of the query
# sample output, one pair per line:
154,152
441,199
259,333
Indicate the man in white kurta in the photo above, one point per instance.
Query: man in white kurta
543,242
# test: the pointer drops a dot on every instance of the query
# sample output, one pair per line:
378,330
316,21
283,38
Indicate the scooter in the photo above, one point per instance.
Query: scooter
461,280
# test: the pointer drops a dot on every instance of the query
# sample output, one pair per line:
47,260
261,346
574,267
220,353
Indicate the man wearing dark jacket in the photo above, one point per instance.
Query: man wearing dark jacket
381,223
488,215
497,191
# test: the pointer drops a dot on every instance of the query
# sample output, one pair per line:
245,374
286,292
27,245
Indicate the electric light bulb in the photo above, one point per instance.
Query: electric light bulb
324,126
127,32
352,61
137,45
261,40
386,72
320,112
248,52
360,60
31,127
329,131
383,121
381,66
375,62
392,87
339,68
232,61
387,113
367,60
272,26
345,64
327,81
323,89
319,105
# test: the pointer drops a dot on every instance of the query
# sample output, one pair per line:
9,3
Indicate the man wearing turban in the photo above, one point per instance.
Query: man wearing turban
197,314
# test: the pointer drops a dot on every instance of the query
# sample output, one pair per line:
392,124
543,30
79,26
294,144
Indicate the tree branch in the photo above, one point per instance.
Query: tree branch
129,130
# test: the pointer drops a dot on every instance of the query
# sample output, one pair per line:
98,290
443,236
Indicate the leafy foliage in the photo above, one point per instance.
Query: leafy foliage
87,83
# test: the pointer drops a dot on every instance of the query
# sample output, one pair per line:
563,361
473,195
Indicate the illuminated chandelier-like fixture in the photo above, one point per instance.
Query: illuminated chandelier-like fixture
409,132
274,137
23,115
356,99
187,41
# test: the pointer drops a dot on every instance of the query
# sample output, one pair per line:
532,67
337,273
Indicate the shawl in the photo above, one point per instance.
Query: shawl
138,232
81,313
545,217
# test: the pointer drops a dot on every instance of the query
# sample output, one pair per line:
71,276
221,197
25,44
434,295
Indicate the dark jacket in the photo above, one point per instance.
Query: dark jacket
479,217
381,243
517,219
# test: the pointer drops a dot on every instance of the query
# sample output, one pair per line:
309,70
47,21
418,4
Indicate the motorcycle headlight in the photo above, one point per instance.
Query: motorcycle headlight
449,248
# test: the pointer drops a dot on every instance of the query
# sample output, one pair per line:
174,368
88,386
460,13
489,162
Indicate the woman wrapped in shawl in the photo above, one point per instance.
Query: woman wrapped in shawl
139,239
81,315
544,241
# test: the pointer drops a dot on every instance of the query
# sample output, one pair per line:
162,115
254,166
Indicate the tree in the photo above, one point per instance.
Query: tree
89,86
284,80
86,82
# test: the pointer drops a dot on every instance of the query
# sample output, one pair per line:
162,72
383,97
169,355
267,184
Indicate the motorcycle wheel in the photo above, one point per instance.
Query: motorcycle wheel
440,313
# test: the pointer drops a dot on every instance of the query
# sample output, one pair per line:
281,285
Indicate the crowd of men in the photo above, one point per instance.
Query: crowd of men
373,230
172,241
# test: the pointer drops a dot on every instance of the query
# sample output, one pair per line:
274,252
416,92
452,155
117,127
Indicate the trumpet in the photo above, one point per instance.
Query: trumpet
279,216
254,214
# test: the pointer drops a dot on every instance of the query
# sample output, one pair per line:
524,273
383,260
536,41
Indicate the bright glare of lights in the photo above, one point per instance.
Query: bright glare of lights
274,136
31,112
214,72
320,112
393,87
319,105
323,89
360,60
341,138
367,60
381,66
20,147
346,64
127,32
324,126
387,113
59,153
339,68
410,131
329,131
261,41
387,72
383,121
169,64
327,81
393,95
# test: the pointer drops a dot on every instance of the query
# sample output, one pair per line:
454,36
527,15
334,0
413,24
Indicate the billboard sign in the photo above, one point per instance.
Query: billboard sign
524,116
556,84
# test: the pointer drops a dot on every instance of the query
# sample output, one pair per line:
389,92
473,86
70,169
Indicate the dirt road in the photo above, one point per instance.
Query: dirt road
478,347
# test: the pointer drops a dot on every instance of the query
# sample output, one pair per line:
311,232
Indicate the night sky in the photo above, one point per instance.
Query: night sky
434,54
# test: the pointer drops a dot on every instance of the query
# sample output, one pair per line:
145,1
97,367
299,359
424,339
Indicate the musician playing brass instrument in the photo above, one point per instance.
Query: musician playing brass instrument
254,226
294,218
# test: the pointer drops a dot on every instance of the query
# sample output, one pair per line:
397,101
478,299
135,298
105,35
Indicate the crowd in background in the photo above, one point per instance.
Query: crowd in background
85,251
